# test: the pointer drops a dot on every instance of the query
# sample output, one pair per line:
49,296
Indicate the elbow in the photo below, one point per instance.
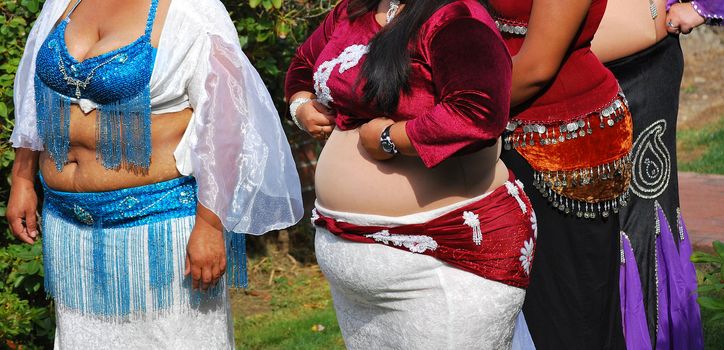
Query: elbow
540,75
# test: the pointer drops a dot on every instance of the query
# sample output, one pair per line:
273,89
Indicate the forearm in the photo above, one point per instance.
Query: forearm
528,80
207,220
399,136
25,166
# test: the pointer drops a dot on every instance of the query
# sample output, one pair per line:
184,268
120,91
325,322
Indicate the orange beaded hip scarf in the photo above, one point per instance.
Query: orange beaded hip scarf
582,165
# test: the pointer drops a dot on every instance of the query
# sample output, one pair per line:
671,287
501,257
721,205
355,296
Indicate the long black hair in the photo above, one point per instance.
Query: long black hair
387,67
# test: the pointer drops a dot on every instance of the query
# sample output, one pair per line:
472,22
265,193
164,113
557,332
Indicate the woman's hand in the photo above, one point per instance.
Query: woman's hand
316,119
22,211
683,18
23,202
206,250
370,133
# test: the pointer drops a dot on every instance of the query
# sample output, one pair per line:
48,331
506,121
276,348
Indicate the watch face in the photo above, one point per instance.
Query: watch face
387,146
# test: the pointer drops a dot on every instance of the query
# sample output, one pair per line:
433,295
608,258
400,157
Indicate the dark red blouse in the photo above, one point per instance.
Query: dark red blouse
460,78
582,85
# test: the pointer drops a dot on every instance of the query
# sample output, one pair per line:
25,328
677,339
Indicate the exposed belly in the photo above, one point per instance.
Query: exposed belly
348,180
84,173
627,28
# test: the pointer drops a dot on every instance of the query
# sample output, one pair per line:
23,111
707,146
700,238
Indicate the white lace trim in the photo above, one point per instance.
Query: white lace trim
472,220
415,243
348,59
526,256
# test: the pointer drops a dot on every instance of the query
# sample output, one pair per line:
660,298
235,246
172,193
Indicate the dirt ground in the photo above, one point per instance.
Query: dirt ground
702,92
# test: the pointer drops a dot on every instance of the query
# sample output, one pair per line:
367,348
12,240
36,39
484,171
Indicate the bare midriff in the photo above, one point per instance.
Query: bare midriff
84,173
627,28
348,180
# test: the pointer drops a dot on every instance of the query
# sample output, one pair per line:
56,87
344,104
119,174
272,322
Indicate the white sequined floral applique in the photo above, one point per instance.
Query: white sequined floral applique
472,220
526,256
349,58
415,243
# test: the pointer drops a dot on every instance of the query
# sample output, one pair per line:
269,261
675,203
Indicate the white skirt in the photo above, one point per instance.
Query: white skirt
386,298
189,321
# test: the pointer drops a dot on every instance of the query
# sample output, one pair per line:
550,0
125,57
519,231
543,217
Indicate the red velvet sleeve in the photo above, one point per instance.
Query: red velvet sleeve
300,74
471,72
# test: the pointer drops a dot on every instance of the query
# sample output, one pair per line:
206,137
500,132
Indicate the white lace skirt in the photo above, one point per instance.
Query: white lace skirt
386,298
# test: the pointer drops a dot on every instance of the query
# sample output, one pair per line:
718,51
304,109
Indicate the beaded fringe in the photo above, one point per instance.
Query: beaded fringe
123,129
53,122
547,183
123,133
128,273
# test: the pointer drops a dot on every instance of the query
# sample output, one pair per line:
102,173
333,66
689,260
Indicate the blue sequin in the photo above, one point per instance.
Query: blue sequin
117,81
128,207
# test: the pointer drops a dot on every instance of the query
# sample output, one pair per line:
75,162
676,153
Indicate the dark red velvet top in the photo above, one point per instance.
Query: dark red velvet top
460,78
582,84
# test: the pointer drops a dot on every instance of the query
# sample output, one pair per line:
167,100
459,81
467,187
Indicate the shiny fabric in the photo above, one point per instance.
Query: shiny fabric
502,220
572,301
570,159
633,312
114,264
187,320
116,75
456,103
567,96
652,79
678,318
116,82
122,262
389,299
706,8
234,144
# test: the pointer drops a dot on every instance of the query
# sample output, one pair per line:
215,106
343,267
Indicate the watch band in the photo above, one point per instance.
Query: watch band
386,141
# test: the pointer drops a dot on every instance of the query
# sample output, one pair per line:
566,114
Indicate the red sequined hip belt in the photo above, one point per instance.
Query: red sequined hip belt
493,237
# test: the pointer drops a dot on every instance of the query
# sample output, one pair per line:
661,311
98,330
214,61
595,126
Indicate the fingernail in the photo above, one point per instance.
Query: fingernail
34,234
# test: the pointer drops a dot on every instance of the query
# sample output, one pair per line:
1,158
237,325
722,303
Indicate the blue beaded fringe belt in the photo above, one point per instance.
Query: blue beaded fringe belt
122,253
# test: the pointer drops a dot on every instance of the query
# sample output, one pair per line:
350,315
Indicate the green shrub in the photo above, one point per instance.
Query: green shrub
711,281
269,31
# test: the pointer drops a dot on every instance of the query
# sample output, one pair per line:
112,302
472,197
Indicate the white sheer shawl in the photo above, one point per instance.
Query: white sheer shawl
234,145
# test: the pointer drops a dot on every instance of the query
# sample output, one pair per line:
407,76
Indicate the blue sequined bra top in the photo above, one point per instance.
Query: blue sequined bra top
116,81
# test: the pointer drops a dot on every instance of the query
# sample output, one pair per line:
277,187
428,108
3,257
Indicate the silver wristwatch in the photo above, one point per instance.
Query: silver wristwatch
386,141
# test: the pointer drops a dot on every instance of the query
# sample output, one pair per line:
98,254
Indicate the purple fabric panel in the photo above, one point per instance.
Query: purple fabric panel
675,317
709,8
663,332
636,331
696,332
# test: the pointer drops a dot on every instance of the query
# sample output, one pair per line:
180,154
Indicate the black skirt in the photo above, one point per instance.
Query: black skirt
651,80
572,301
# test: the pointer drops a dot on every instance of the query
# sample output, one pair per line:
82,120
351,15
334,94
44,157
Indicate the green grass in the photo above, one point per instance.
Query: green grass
701,150
285,312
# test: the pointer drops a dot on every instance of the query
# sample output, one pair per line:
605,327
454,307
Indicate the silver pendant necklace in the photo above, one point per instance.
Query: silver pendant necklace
392,12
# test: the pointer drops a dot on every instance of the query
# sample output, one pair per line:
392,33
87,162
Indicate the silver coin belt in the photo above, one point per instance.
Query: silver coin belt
511,27
545,181
541,134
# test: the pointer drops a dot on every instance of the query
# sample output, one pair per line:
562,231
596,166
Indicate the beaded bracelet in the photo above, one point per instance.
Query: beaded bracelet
294,106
